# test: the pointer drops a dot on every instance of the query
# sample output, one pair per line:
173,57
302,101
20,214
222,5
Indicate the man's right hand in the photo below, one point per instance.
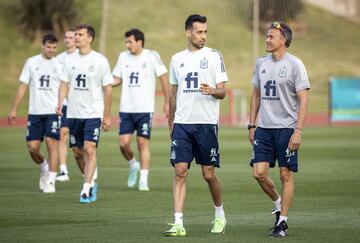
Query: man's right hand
59,110
11,118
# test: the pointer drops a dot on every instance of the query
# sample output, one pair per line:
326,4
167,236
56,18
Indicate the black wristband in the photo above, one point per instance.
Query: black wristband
250,126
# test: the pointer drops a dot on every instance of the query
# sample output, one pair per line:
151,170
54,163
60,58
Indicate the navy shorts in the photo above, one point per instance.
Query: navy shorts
84,130
271,145
141,122
199,141
39,126
64,121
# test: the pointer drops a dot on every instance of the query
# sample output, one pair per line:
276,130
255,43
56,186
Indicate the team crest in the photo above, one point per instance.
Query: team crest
91,68
54,127
204,63
145,129
72,139
283,72
173,154
96,134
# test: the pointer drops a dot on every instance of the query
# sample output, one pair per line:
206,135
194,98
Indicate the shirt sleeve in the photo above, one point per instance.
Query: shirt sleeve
25,75
255,78
220,72
159,66
300,76
107,77
64,74
117,68
172,75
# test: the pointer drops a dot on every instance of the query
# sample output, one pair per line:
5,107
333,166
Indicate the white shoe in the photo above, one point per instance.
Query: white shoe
63,177
133,174
143,187
50,187
44,177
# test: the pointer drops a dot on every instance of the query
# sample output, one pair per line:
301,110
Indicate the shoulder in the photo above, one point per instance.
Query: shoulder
99,57
123,54
33,59
295,61
262,59
179,55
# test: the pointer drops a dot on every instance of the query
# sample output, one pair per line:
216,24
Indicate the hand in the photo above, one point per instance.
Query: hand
252,135
11,118
295,140
106,123
59,110
206,89
166,110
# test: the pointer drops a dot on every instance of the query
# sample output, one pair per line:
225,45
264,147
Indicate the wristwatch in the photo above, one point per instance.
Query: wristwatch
249,126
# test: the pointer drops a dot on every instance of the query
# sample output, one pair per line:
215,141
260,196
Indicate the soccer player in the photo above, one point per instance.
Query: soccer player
69,42
86,80
279,101
41,74
136,69
197,78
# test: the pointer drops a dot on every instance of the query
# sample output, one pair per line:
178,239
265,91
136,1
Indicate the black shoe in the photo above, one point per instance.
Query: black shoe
280,230
277,217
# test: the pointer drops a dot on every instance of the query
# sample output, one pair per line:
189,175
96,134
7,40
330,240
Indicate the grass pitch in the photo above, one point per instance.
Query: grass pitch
326,206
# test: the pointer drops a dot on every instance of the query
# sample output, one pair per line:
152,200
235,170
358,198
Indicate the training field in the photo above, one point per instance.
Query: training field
326,207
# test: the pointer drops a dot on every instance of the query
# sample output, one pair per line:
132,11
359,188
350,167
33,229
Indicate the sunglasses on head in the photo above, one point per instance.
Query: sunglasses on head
277,25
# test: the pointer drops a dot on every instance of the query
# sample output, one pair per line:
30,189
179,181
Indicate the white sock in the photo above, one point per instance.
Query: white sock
282,218
219,212
44,167
278,204
144,176
63,169
132,162
86,189
52,176
178,218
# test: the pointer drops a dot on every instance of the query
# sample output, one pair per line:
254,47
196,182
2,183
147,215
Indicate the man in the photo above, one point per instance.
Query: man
280,101
197,78
41,74
136,69
86,81
69,42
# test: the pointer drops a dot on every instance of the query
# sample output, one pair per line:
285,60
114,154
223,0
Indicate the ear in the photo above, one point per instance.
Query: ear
188,33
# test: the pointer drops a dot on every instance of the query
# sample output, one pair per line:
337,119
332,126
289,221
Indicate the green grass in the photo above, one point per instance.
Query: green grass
326,206
328,45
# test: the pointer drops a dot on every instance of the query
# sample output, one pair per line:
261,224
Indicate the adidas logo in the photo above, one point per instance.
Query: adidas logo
263,71
182,65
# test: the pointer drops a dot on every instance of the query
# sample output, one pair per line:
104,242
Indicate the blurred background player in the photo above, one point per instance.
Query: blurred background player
69,43
280,102
136,69
197,78
41,74
86,81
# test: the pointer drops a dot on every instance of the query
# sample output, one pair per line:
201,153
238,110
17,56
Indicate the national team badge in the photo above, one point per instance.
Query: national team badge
204,63
91,68
283,72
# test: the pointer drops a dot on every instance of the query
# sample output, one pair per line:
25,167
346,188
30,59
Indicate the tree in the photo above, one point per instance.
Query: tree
281,10
37,17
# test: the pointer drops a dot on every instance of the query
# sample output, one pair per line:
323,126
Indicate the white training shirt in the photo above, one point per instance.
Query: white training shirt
42,77
86,75
188,69
138,74
278,82
61,59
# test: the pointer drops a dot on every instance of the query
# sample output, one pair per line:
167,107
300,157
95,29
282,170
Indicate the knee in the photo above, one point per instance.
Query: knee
259,176
208,177
33,149
124,145
181,174
285,176
89,151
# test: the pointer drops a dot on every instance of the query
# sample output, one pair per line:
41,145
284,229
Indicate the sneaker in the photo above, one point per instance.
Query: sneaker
277,217
84,199
218,226
50,187
133,174
63,177
175,230
93,193
44,177
143,187
280,230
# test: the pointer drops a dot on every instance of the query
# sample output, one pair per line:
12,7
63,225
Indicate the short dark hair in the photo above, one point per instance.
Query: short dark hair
194,18
285,30
138,35
89,28
49,38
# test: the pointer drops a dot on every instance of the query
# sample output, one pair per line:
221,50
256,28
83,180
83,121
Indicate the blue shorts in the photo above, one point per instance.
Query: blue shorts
64,121
39,126
141,122
271,145
199,141
84,130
